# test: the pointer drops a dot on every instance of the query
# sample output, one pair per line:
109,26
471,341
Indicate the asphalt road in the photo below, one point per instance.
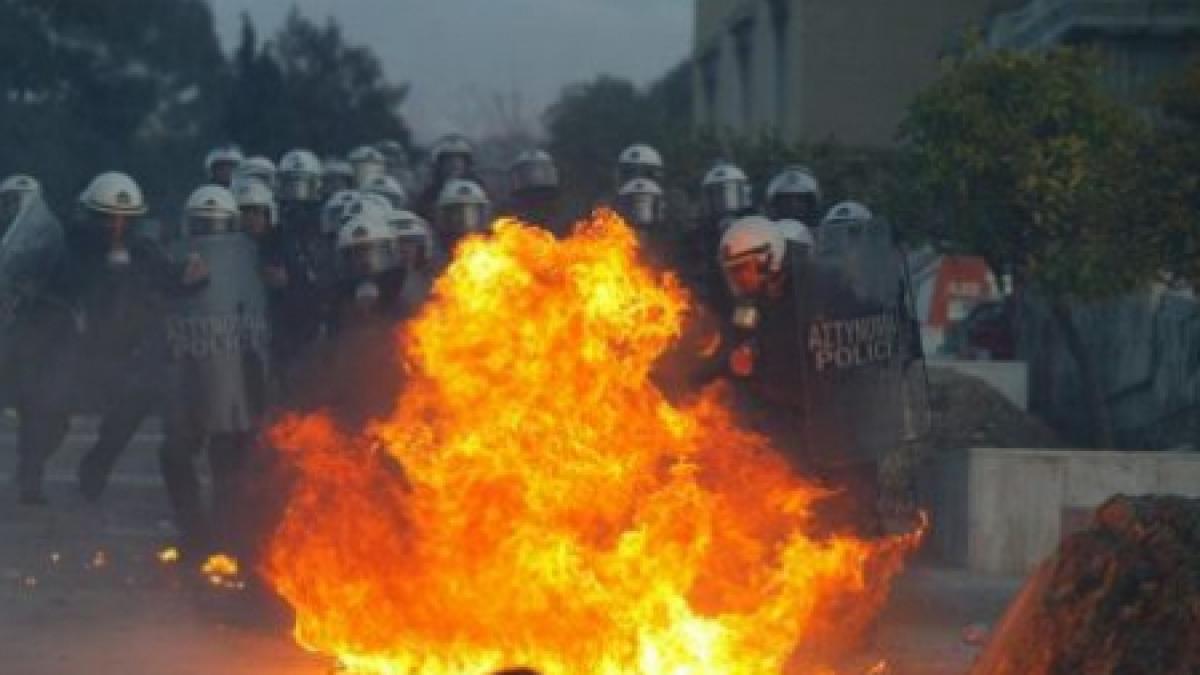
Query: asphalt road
83,592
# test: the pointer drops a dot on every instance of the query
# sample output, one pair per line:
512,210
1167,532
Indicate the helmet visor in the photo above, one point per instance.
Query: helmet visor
205,225
453,165
299,187
728,197
794,206
10,206
534,175
745,276
365,260
464,218
365,172
643,210
627,171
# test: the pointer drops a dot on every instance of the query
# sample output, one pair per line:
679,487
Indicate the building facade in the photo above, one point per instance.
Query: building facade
1141,41
814,70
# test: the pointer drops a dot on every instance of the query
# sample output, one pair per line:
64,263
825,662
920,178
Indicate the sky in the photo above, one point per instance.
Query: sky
459,55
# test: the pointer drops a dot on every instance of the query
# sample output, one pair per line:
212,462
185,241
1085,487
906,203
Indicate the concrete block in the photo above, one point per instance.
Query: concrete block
1002,511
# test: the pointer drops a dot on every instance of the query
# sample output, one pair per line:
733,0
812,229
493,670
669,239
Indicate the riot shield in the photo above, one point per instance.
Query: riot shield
861,365
30,251
219,337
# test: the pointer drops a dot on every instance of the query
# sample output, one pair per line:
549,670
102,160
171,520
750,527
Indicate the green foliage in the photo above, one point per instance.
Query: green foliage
592,122
1173,175
1020,157
88,86
308,88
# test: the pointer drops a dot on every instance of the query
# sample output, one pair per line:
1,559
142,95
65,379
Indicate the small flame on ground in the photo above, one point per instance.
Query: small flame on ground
99,559
222,572
168,555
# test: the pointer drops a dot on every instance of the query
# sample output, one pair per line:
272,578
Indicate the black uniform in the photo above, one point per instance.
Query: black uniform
108,321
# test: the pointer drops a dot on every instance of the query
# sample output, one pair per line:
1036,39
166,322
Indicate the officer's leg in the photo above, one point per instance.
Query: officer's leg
43,426
117,428
227,456
176,458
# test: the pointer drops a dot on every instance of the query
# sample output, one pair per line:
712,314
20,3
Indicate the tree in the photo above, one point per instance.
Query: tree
120,84
308,88
1021,158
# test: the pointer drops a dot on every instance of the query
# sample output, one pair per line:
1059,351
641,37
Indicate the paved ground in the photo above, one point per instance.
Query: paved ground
81,592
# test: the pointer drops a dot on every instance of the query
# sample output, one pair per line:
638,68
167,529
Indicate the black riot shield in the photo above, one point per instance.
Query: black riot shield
864,376
219,338
30,251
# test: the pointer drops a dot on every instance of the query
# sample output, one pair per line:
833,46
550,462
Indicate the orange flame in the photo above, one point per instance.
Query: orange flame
534,501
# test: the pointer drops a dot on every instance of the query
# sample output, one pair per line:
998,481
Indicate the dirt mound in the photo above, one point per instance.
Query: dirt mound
1122,596
967,413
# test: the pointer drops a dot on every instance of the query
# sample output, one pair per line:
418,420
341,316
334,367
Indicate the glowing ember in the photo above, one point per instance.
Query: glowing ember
220,565
534,500
168,555
99,559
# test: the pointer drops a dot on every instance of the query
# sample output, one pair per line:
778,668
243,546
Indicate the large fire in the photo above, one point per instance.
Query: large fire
534,500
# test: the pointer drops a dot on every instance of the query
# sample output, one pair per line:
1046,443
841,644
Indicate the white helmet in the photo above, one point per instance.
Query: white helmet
254,194
463,207
20,183
727,190
639,161
335,210
533,170
14,192
416,237
211,209
752,251
453,155
794,194
642,203
389,188
367,164
225,154
367,246
299,177
259,168
796,232
113,193
848,212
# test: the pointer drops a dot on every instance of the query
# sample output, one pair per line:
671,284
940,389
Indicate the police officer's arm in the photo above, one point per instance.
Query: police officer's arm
168,272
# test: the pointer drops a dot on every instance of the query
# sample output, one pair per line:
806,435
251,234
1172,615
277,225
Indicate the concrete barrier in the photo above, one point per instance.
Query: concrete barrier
1002,511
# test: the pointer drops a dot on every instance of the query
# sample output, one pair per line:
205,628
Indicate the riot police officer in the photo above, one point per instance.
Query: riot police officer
390,189
115,281
14,191
463,208
639,161
534,192
794,194
257,168
218,339
336,175
303,309
453,159
221,163
848,212
368,164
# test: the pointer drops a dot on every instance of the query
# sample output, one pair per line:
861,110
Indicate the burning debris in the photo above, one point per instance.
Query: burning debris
1120,597
533,499
222,571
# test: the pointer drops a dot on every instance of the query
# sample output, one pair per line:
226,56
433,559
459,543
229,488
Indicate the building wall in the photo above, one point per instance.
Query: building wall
842,69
